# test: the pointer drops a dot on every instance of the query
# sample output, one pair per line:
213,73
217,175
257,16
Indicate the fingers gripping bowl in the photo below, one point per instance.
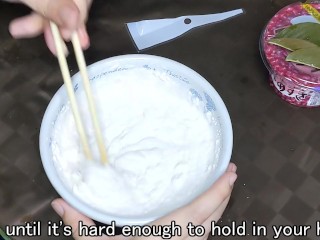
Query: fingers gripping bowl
168,136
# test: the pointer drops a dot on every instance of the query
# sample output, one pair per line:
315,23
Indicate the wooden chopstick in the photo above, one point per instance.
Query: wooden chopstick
86,83
68,83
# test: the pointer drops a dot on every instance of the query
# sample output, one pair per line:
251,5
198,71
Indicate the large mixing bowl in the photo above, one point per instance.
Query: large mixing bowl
186,77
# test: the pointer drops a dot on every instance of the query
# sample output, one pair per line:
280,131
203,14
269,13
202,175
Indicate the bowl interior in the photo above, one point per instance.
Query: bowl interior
185,76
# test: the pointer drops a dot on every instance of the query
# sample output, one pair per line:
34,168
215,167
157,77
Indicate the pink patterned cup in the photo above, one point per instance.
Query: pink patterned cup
296,84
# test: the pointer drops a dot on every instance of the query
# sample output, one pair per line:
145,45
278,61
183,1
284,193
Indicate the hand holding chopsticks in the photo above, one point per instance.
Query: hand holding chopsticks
86,84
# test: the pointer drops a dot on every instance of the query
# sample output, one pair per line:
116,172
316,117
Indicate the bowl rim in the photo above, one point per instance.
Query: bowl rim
96,214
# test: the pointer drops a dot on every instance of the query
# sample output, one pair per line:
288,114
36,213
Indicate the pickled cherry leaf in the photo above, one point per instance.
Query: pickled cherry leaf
306,31
291,44
306,56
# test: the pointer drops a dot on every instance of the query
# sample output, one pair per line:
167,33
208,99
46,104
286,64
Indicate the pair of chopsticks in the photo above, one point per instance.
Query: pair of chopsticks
86,84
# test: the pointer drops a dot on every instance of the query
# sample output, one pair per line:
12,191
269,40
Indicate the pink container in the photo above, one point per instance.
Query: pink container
296,84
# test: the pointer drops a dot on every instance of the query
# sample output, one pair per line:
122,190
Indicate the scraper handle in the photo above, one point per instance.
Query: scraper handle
200,20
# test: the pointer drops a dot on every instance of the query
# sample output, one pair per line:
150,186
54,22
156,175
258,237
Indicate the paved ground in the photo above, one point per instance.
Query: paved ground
276,145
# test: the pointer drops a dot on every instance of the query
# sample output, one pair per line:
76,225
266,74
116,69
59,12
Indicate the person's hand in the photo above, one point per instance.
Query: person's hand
202,211
69,15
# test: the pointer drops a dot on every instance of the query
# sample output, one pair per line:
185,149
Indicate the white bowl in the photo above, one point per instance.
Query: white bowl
188,78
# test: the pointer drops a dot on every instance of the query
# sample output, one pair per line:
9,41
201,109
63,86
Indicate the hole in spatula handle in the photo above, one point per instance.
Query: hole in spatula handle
187,21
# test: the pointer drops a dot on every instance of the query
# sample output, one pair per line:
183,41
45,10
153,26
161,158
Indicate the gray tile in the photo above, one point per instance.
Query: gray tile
19,114
313,219
264,129
313,139
316,172
12,147
254,178
285,143
276,145
249,146
280,112
290,176
296,126
307,192
312,114
296,211
6,102
259,212
15,85
275,195
305,158
277,221
5,132
242,198
270,161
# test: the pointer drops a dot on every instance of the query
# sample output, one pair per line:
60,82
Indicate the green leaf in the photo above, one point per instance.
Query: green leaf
305,31
291,44
306,56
